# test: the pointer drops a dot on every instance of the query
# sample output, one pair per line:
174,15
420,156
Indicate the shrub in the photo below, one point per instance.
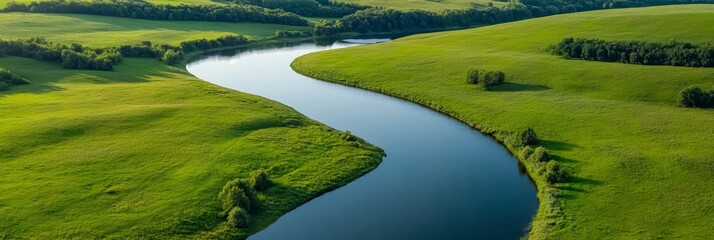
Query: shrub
259,180
695,97
554,173
485,78
539,155
237,193
238,217
528,137
171,56
472,76
8,79
525,153
490,78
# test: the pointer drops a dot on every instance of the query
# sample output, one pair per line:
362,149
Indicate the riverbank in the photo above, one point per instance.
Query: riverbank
628,145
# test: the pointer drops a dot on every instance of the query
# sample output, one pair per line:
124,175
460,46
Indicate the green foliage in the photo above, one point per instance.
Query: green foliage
527,137
525,153
259,180
695,97
485,78
8,79
637,52
238,217
172,57
205,44
237,193
554,173
472,76
292,34
539,155
74,56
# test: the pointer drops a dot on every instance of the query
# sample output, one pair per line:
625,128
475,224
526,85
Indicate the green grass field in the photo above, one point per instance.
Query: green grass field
141,152
100,31
643,167
431,5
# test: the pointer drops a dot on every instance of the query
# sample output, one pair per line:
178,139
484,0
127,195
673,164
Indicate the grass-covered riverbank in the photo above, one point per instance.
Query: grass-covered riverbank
143,151
642,165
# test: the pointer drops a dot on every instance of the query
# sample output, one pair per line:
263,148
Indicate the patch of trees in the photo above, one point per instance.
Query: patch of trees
695,97
76,56
205,44
637,52
73,56
238,198
144,10
484,78
549,169
389,20
308,8
292,34
8,79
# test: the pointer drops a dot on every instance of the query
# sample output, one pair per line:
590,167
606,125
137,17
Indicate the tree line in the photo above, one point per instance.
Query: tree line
9,79
308,8
73,56
76,56
389,20
637,52
144,10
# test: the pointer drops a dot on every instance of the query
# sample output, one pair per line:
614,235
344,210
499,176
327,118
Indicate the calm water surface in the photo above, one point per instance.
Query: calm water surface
440,180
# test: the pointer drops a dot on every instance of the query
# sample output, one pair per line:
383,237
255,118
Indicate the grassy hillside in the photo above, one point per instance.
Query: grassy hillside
431,5
142,151
100,31
643,167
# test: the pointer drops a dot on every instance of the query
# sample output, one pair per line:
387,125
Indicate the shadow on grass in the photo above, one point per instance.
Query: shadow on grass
557,145
585,181
517,87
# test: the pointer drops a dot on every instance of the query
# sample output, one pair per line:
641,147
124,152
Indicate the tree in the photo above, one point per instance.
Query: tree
554,173
528,137
171,56
259,180
693,97
539,155
472,76
238,217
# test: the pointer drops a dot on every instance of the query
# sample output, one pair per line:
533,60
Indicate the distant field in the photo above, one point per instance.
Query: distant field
103,31
431,5
141,152
644,167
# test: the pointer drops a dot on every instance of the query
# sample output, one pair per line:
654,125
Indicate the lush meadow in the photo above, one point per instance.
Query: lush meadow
143,151
641,165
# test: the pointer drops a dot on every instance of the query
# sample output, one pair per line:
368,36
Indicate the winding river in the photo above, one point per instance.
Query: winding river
440,179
